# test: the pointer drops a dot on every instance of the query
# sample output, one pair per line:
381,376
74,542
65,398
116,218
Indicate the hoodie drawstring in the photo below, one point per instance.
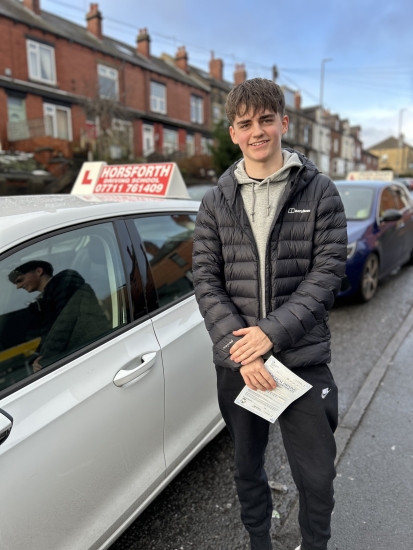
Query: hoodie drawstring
268,198
253,201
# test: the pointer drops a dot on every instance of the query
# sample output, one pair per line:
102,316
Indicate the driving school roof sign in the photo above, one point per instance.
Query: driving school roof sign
161,179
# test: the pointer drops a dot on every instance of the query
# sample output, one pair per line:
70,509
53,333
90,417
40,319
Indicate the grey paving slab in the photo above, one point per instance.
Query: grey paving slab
374,487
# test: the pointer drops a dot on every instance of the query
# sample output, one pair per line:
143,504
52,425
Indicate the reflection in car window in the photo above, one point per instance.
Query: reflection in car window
357,201
168,244
57,296
401,198
387,201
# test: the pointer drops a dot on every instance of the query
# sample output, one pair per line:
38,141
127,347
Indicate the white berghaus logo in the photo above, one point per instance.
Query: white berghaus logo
325,392
295,211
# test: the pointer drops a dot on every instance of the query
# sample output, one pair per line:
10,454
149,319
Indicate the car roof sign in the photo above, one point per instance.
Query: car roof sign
160,179
377,175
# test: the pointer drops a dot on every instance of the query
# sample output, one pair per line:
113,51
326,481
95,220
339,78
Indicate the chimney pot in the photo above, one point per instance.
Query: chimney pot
181,59
143,43
94,21
240,74
33,5
297,100
216,67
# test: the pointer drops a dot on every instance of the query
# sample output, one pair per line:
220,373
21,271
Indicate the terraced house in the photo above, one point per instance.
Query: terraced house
69,88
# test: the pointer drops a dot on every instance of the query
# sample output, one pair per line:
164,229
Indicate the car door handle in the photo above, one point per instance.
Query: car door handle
6,424
124,376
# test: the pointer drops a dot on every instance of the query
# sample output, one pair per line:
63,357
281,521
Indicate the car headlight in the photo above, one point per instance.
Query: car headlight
351,249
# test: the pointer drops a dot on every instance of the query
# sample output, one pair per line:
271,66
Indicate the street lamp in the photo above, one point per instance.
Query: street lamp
401,111
323,62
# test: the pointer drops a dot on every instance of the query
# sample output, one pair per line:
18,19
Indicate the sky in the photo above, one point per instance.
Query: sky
369,79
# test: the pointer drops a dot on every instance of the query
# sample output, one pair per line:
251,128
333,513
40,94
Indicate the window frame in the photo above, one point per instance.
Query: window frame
146,270
116,80
197,103
54,107
38,45
158,100
165,130
125,244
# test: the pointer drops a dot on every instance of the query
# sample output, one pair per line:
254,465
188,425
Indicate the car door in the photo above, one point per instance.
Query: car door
191,407
86,445
391,239
405,205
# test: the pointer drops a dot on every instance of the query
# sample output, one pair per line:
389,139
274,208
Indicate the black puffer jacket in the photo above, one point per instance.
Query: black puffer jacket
306,255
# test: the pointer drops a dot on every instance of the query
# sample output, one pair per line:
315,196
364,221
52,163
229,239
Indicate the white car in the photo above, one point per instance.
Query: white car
107,386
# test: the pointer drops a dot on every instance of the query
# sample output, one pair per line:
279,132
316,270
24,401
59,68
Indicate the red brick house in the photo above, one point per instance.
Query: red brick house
54,73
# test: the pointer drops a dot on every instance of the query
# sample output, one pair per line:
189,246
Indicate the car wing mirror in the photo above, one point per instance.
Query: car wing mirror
391,215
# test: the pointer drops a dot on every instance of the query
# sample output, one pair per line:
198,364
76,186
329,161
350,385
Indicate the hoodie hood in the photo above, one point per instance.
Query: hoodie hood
290,159
228,183
280,176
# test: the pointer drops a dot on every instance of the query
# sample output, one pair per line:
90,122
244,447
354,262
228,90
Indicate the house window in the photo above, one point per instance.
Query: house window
108,82
206,145
216,113
306,135
158,98
57,121
335,145
197,109
291,130
170,141
337,125
190,145
41,62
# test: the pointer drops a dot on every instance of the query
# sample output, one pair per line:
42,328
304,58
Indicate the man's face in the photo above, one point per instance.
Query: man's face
30,281
259,135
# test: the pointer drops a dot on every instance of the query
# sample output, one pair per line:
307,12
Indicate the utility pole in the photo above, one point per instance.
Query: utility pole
401,140
323,62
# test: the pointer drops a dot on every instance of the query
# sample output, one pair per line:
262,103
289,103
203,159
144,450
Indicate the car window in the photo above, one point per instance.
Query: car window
59,295
387,201
167,241
357,201
401,197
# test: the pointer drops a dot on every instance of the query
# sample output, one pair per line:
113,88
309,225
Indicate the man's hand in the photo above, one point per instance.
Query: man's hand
36,364
257,377
253,345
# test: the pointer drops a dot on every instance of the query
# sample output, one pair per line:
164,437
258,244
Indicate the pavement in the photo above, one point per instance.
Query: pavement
374,484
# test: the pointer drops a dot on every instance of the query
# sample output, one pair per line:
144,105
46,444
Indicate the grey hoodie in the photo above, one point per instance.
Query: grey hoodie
261,200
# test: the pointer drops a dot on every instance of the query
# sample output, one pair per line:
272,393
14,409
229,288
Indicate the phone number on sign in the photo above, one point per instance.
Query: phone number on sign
148,188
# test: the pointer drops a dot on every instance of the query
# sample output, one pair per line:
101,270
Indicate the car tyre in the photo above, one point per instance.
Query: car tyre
410,260
369,278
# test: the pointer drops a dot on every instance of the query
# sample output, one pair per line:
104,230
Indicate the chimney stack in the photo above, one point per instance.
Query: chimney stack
181,59
94,21
216,67
240,74
33,5
143,43
297,100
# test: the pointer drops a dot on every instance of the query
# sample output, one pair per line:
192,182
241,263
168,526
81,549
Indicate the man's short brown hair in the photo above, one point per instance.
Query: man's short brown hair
257,94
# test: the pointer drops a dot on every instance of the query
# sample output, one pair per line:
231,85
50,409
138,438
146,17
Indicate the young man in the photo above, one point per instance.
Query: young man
269,254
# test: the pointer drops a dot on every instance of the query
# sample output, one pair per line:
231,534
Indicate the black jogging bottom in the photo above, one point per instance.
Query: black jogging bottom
307,428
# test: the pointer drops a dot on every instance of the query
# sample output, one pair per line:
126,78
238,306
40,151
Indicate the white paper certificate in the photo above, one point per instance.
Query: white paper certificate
270,404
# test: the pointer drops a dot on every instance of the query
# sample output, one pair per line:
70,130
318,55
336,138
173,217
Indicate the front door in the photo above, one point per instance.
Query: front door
86,446
148,139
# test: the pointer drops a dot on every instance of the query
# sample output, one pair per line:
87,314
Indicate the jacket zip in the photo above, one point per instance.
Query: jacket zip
275,220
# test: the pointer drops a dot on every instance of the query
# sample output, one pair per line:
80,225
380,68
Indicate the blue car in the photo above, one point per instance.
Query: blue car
380,233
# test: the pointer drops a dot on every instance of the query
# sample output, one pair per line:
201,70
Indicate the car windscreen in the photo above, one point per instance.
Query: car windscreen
357,201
